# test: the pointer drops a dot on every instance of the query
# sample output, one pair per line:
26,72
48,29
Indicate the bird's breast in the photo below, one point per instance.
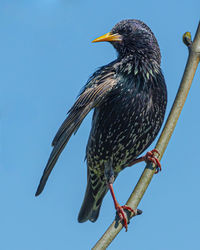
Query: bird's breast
125,124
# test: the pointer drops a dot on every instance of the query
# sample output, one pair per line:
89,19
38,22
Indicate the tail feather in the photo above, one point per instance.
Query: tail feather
92,201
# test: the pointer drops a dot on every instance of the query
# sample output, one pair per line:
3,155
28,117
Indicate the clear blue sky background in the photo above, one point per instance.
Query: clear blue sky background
46,56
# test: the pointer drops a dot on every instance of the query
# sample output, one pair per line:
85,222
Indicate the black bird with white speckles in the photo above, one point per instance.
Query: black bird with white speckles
129,98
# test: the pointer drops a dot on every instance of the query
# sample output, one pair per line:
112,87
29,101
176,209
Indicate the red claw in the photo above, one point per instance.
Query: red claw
149,157
120,209
122,215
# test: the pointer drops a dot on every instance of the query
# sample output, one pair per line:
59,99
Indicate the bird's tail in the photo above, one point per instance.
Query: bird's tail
95,192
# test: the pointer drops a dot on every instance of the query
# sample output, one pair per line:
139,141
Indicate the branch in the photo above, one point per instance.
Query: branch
145,179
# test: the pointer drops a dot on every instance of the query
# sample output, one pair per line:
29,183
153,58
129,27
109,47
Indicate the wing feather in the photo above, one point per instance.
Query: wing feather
91,97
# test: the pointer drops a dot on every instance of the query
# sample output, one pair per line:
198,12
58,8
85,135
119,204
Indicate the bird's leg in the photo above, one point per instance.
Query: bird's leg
120,209
109,174
149,157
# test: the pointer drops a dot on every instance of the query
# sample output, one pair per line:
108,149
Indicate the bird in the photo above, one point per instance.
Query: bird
129,98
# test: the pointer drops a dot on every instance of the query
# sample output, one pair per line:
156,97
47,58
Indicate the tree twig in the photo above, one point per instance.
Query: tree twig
145,179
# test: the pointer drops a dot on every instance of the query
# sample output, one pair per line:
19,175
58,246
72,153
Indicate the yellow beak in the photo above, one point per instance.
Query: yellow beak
108,37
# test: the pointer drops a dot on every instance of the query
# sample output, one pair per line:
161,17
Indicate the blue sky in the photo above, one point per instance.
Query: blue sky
46,56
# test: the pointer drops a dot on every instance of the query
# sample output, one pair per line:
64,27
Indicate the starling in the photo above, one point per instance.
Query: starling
129,98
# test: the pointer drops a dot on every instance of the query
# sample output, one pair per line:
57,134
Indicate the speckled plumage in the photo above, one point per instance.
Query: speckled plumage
129,99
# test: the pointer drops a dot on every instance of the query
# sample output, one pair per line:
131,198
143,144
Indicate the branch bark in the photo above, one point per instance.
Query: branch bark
147,175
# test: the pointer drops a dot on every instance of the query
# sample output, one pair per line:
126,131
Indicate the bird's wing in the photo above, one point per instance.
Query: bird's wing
92,96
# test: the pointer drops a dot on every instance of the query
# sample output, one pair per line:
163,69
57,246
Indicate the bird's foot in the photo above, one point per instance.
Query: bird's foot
120,209
122,215
152,158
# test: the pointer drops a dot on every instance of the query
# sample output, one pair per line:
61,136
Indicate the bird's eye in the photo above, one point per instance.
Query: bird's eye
125,30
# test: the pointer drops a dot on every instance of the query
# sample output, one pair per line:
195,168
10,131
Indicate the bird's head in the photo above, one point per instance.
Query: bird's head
132,37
